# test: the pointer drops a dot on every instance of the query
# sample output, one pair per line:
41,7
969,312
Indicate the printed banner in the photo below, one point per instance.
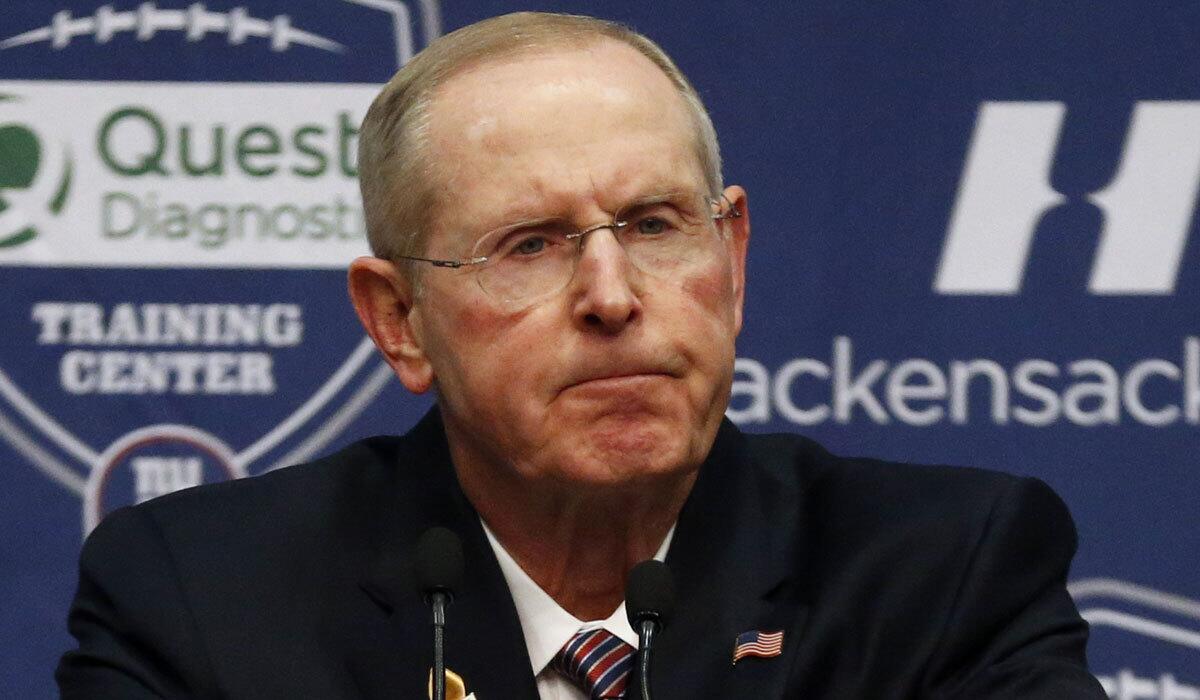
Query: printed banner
975,242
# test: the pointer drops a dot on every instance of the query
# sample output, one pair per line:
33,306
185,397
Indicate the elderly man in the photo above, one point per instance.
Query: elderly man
557,259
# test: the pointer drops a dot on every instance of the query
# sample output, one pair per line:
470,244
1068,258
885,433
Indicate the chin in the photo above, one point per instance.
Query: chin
618,454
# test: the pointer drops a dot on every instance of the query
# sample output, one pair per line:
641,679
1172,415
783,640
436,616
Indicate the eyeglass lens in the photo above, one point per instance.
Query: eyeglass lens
665,237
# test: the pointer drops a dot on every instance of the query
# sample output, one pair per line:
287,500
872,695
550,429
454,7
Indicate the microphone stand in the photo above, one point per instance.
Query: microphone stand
438,602
646,630
649,602
439,569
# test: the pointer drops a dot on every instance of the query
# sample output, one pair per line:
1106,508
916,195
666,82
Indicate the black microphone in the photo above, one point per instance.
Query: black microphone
649,602
439,572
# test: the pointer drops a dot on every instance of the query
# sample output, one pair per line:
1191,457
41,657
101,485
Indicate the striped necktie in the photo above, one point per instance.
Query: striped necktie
597,661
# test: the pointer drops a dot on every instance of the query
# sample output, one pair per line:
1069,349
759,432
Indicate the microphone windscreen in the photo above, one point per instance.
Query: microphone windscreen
439,561
649,593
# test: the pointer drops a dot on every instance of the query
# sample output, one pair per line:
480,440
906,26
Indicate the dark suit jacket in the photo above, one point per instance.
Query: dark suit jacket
888,581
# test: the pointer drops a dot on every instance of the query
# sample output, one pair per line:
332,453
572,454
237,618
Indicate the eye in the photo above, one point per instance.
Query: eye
530,245
651,226
532,241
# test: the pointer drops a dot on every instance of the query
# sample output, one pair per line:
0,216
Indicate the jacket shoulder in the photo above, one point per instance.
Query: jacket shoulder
360,466
958,573
874,495
304,511
199,571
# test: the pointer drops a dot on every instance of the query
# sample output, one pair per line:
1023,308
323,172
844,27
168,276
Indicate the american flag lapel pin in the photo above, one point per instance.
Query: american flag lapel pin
757,643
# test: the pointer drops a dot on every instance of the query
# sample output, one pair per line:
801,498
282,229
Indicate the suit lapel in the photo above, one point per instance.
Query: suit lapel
488,645
734,558
484,643
736,551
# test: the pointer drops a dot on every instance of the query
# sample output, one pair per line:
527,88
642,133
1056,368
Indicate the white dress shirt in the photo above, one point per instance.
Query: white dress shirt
547,627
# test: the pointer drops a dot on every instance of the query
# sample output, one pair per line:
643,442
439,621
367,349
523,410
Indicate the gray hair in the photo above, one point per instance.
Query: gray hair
395,172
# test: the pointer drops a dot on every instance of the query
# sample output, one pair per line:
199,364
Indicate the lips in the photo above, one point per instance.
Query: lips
621,378
627,387
622,375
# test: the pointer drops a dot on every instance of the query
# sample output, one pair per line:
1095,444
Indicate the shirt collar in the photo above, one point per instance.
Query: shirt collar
545,624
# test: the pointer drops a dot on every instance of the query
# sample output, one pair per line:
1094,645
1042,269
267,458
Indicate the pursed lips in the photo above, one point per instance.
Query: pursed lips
618,379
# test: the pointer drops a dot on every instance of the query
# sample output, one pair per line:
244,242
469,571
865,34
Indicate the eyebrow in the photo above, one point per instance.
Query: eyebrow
528,213
664,197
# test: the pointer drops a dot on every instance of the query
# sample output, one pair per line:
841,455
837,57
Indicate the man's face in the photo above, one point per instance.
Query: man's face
621,377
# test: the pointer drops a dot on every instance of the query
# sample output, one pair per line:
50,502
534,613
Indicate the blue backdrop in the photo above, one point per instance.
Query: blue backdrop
974,243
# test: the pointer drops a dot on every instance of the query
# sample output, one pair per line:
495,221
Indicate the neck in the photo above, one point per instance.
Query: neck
577,544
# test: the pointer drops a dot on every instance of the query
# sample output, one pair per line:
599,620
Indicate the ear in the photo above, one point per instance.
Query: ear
383,299
737,242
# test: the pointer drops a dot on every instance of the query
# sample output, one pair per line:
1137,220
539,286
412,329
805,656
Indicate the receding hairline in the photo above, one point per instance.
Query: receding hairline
464,82
395,148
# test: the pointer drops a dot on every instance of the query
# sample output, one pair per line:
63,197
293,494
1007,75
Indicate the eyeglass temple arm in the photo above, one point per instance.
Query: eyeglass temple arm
452,264
733,213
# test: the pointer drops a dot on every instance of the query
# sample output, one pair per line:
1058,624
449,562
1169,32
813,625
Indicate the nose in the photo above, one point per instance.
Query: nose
605,288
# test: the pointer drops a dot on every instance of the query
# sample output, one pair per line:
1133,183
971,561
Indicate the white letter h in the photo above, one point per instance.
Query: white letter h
1006,189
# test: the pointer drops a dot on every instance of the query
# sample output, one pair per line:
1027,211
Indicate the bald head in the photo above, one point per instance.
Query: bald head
404,167
500,160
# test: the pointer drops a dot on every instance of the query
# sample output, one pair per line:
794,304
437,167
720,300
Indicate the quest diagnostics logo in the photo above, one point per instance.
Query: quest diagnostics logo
35,177
193,173
174,175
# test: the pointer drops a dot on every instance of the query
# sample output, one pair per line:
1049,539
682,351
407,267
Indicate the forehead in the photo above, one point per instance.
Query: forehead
559,128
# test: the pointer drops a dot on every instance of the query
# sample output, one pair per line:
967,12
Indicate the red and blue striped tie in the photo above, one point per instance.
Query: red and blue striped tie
598,662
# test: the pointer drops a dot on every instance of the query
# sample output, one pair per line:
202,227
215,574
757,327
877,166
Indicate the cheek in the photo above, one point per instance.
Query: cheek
490,350
709,334
712,293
